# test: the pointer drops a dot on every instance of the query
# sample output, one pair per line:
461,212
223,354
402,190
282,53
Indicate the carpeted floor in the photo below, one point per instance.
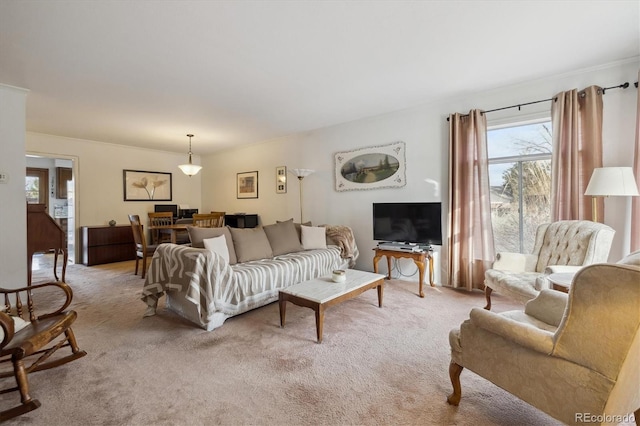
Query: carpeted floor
375,366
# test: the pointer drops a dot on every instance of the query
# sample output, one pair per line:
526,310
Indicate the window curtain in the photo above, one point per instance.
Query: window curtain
470,235
635,201
576,117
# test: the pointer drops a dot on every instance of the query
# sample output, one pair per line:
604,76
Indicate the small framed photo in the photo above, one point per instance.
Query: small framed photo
281,180
146,186
247,185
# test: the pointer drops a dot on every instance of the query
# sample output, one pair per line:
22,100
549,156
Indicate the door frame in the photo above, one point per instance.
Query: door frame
74,237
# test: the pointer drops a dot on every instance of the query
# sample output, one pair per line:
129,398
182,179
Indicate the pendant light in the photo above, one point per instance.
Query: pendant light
190,169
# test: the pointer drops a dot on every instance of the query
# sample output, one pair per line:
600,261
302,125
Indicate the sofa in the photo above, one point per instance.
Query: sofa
228,271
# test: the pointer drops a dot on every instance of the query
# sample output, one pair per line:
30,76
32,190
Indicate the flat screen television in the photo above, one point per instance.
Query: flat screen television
414,222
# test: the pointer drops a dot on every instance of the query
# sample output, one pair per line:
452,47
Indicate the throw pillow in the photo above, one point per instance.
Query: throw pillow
297,225
313,237
197,236
217,245
251,244
283,237
18,324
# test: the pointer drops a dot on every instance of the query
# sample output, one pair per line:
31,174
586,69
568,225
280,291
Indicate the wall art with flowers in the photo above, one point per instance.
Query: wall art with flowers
145,186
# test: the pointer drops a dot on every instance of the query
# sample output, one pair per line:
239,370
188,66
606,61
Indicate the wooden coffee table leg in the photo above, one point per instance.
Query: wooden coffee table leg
319,321
380,293
282,301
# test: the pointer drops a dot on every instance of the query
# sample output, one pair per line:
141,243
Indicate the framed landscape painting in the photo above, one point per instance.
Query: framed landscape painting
371,168
247,185
145,186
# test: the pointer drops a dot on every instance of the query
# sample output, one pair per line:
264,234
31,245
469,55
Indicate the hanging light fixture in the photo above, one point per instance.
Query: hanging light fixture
190,169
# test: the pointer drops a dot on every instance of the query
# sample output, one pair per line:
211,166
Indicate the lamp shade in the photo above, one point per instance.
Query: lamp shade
302,173
612,181
190,169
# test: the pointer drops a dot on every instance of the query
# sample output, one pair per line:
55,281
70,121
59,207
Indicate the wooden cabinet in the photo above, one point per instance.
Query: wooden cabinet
107,244
63,175
241,220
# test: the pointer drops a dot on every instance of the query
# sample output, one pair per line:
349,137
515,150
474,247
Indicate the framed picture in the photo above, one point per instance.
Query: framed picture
144,186
281,180
371,168
247,185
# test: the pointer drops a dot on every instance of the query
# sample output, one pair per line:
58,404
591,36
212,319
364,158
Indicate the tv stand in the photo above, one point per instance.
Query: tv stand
418,257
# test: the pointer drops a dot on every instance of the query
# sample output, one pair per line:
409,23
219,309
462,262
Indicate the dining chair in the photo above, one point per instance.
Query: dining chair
142,249
160,219
220,217
183,236
209,220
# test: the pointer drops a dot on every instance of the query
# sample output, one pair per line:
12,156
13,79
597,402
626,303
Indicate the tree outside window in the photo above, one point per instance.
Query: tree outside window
32,188
520,180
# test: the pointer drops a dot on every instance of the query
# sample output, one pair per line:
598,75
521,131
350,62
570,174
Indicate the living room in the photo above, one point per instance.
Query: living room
98,166
424,129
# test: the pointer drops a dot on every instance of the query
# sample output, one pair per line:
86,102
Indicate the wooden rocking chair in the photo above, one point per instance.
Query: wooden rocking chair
26,335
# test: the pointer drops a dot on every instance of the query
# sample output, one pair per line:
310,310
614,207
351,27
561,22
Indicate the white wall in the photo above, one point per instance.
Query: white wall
13,206
98,176
425,131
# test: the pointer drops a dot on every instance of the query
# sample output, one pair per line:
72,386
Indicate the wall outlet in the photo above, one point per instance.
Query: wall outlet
4,177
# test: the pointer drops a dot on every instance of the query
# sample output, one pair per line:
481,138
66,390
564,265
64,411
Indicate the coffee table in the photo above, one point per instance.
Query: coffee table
320,293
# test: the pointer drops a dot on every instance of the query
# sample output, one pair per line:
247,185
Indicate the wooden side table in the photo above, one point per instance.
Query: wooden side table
418,258
561,281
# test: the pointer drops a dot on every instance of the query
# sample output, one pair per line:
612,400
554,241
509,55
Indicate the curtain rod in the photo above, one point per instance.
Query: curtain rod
604,90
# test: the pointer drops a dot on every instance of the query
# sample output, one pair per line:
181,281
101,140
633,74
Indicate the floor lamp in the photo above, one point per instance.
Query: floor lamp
301,174
610,181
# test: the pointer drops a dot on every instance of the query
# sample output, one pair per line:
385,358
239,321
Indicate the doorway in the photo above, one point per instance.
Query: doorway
50,181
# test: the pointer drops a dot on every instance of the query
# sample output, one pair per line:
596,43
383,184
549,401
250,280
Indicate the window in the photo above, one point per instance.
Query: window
520,180
36,185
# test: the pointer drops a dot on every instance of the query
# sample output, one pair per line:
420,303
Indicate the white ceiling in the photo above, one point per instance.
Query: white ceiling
146,73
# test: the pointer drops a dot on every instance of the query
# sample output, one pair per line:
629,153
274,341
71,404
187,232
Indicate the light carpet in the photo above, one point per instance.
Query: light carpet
375,366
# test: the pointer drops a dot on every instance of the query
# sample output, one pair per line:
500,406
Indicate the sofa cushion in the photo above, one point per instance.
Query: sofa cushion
283,237
18,324
197,235
313,237
218,245
251,244
518,285
297,225
631,259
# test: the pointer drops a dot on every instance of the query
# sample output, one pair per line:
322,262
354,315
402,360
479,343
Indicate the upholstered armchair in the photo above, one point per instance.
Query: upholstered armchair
563,246
569,355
